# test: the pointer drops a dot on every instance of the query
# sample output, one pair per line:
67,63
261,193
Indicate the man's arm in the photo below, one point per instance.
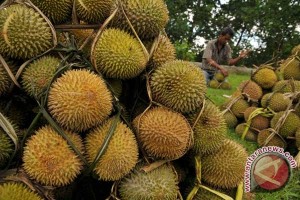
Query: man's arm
217,66
242,55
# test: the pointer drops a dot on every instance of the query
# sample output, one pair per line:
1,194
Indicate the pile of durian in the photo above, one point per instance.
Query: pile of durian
219,82
266,108
95,105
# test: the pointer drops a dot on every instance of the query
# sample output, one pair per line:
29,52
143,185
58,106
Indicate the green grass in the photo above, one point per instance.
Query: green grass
292,190
217,95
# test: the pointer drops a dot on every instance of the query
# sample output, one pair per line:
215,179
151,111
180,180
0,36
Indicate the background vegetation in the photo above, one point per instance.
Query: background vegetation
269,27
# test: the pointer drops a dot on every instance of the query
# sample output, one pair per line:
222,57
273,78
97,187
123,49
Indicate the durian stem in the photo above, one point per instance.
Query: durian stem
104,145
220,194
240,191
154,165
62,133
198,169
10,131
193,193
65,27
10,74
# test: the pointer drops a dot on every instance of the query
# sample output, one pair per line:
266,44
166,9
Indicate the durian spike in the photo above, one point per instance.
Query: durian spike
239,191
297,159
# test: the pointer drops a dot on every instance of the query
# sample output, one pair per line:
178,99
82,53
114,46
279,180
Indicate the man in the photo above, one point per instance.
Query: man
218,52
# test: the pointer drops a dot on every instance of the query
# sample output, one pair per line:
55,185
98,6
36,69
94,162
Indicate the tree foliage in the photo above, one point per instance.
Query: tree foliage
270,27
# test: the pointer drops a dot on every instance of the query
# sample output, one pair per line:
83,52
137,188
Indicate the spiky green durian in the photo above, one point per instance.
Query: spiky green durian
58,11
250,135
179,85
164,52
265,77
213,84
160,183
37,75
148,17
230,119
219,77
275,101
225,168
25,33
121,154
17,191
259,122
5,80
225,86
285,86
251,90
163,133
49,159
93,11
264,135
291,69
119,55
289,126
239,107
209,131
6,147
79,100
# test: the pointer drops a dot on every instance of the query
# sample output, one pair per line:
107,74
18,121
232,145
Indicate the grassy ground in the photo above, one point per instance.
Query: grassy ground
292,190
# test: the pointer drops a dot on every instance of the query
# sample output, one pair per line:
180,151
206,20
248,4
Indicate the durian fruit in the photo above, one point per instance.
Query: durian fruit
230,119
148,17
160,183
163,133
297,136
275,141
93,11
119,55
6,147
5,80
219,77
289,126
121,154
291,69
49,159
285,86
258,122
225,168
79,100
58,11
296,50
164,52
265,77
250,135
17,191
275,101
179,85
213,84
116,86
209,131
37,76
239,107
225,86
27,34
251,90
